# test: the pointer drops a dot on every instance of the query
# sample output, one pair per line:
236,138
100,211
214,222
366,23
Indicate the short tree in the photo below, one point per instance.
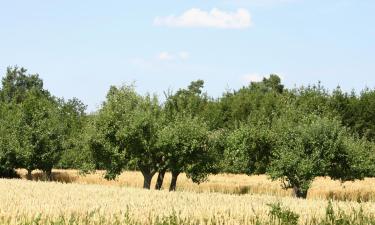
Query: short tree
126,133
314,146
75,153
248,148
185,146
40,132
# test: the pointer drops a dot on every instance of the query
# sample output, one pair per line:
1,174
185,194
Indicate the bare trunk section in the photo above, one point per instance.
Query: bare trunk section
173,185
159,181
29,175
48,174
298,192
147,177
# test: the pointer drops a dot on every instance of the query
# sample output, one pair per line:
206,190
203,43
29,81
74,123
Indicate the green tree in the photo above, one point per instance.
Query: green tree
126,133
41,132
75,154
9,146
185,144
311,146
258,98
249,148
16,83
364,114
191,102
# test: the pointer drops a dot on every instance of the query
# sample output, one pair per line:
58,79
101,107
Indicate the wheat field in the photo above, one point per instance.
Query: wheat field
29,202
322,188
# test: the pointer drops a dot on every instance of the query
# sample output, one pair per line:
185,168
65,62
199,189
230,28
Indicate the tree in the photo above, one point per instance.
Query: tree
186,149
16,83
40,131
264,96
75,154
249,148
9,146
364,114
311,146
126,133
39,128
191,102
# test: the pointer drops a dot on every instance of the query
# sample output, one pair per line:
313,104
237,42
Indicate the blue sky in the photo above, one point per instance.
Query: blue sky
80,48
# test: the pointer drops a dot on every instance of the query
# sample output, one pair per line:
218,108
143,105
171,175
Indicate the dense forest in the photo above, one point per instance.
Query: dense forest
293,135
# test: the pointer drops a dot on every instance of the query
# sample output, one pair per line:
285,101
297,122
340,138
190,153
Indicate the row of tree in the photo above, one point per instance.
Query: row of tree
290,134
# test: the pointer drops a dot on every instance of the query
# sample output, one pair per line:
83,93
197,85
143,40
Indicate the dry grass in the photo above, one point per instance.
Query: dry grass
322,188
42,202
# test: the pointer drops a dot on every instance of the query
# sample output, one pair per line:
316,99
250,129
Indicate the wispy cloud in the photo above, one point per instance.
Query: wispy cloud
167,56
252,77
215,18
258,2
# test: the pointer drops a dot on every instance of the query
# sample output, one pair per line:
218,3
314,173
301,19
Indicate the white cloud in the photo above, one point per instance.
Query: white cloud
166,56
252,3
183,55
253,77
215,18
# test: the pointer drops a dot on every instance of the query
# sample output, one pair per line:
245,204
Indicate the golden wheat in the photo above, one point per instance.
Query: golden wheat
50,201
322,188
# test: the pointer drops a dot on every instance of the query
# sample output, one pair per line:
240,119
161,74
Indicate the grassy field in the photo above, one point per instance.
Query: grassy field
27,202
322,188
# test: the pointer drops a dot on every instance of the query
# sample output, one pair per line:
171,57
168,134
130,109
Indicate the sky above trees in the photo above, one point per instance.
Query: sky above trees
80,48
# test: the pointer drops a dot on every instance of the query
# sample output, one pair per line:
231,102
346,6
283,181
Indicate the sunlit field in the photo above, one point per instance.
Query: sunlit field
27,202
322,188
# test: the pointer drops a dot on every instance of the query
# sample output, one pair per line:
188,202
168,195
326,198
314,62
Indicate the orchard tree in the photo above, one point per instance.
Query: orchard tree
258,97
185,146
249,148
190,102
126,133
41,132
9,145
39,127
310,146
16,83
75,154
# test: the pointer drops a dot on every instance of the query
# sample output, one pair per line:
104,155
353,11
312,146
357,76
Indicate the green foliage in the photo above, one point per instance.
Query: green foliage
282,216
76,154
294,135
41,131
9,146
314,146
249,148
126,129
37,121
16,83
185,147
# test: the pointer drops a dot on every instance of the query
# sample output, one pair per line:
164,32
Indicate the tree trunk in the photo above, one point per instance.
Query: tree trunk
48,174
173,185
159,181
298,192
147,177
29,175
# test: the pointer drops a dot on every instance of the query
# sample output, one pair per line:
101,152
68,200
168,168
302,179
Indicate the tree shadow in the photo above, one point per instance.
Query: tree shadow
56,176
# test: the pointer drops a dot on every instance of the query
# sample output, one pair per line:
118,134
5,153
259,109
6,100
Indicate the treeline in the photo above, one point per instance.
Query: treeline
264,128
